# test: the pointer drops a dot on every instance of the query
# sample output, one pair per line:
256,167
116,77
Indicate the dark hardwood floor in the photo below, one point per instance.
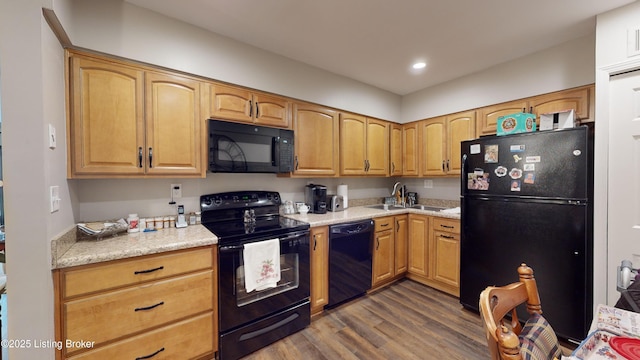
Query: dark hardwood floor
405,320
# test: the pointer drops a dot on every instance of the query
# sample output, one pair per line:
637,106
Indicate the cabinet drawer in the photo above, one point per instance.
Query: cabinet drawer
102,277
187,339
120,313
383,223
448,225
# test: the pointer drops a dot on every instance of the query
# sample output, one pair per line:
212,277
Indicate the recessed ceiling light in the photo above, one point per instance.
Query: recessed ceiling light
419,65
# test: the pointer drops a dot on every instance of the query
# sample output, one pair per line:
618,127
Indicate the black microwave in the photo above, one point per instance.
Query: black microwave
244,148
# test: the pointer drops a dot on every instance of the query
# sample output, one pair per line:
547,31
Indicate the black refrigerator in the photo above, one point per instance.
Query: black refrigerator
527,198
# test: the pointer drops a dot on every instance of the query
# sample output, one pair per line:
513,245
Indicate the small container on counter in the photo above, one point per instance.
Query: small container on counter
142,224
159,222
198,217
165,222
151,224
172,221
192,218
134,223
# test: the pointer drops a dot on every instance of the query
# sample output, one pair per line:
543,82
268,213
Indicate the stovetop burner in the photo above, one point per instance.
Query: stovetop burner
224,213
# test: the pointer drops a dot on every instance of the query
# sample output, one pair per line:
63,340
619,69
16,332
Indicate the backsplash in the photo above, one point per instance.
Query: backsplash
115,198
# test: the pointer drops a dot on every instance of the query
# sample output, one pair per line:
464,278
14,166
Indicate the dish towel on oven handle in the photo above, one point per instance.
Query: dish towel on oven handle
261,265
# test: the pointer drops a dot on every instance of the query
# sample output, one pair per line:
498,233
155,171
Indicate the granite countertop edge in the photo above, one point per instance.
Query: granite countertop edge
69,251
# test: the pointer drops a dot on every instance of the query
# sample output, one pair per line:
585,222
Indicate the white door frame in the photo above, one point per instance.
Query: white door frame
601,268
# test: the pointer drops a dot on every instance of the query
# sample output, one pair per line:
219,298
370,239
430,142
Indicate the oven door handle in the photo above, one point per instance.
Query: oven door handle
233,248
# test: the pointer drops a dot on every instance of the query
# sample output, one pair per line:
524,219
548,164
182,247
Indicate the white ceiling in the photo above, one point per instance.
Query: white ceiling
376,41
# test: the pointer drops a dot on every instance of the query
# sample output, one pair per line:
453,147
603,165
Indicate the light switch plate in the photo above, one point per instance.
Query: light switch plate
176,191
428,184
54,198
52,137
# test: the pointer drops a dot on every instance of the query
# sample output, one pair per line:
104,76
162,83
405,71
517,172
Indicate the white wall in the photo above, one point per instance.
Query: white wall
122,29
611,53
32,90
561,67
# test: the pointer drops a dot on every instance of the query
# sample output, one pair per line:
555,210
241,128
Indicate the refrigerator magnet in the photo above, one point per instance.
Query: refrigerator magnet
491,154
516,158
529,178
474,149
500,171
529,167
515,173
532,159
515,185
516,148
478,182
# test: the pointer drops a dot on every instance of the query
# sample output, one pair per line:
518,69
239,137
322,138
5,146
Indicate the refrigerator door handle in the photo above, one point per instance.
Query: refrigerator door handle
463,173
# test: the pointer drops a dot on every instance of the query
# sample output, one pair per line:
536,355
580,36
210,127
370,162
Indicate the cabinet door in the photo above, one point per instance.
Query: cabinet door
395,150
272,110
106,120
377,147
410,162
319,268
316,140
383,249
460,127
353,144
433,151
400,240
488,116
173,125
418,245
231,103
446,248
576,99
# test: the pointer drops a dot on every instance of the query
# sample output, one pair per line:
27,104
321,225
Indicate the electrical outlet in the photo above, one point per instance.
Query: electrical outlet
428,184
54,198
176,191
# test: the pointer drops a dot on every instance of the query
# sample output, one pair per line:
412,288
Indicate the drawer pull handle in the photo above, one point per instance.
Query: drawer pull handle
384,225
150,356
149,307
446,236
446,226
148,271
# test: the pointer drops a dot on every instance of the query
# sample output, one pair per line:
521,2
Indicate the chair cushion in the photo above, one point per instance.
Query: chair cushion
538,341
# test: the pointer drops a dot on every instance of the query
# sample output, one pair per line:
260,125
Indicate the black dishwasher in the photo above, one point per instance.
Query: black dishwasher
350,258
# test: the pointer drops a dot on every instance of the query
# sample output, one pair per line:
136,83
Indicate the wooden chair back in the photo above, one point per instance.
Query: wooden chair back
497,302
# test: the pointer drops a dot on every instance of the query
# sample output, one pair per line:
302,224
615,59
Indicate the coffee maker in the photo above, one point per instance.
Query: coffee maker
316,197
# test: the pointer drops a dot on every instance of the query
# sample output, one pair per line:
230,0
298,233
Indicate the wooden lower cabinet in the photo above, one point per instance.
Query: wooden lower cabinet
161,304
319,268
434,252
389,249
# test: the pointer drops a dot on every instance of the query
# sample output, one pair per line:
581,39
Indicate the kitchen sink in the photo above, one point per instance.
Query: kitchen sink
396,207
381,207
426,207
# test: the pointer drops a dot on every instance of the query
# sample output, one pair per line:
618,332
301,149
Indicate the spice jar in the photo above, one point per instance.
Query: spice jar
151,223
134,223
198,217
159,222
192,218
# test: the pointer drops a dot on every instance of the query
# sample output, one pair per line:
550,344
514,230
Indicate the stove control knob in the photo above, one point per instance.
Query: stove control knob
276,197
207,201
217,201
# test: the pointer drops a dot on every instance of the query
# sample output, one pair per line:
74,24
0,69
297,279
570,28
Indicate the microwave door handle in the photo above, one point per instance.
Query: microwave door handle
275,147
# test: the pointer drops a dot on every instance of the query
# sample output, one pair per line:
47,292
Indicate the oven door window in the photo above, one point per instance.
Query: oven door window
289,280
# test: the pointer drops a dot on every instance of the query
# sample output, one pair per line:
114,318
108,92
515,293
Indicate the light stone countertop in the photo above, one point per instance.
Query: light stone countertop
89,251
363,213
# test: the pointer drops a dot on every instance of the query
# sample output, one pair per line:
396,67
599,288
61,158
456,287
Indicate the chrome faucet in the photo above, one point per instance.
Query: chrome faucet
395,189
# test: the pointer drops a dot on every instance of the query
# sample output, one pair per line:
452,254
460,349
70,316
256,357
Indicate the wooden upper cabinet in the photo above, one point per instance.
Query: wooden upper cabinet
576,99
364,145
395,149
238,104
316,140
488,116
460,127
106,123
173,125
410,149
353,144
433,153
440,142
